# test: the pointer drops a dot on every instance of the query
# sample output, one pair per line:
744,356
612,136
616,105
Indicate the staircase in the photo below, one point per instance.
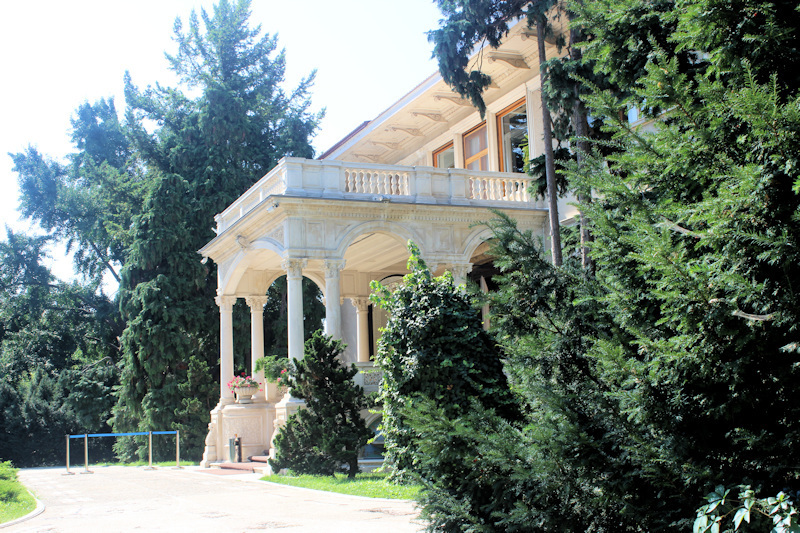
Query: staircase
255,463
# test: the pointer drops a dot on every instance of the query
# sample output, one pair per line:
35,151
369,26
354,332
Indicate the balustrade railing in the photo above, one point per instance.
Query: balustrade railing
373,182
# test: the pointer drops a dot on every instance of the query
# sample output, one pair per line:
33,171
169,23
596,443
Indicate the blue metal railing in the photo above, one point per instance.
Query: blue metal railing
149,434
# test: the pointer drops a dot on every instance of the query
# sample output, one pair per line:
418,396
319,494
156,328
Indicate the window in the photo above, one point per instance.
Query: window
512,125
476,149
445,157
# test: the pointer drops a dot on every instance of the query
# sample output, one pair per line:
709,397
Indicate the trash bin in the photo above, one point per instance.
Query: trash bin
235,449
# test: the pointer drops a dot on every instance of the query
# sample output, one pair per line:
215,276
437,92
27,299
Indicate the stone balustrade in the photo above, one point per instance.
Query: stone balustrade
368,377
382,183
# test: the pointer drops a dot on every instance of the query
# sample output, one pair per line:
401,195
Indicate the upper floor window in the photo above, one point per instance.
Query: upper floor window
512,125
476,149
445,157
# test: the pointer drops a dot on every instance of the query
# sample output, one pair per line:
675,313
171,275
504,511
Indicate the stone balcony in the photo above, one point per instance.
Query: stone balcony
331,179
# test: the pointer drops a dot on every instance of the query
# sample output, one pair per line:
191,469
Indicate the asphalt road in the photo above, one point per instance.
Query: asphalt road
117,499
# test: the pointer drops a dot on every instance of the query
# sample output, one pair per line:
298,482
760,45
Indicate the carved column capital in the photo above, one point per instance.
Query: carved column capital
460,271
256,302
361,304
225,302
294,267
333,267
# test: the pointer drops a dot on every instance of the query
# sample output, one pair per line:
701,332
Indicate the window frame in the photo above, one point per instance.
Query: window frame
482,153
439,151
522,102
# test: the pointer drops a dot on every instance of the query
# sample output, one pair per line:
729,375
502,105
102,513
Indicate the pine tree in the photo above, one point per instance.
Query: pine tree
329,432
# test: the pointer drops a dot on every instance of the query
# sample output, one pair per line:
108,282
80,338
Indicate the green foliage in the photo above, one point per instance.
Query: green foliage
328,432
747,512
206,151
57,367
433,347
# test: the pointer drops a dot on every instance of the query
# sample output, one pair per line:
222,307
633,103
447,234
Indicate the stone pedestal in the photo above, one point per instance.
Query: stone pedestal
253,423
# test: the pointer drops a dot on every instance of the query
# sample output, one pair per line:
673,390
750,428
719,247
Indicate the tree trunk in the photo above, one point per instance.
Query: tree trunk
581,125
550,167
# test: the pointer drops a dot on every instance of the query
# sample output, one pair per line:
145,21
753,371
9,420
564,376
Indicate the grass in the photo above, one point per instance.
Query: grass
371,485
15,500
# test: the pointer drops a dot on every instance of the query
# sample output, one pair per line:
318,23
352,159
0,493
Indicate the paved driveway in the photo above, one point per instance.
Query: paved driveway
195,500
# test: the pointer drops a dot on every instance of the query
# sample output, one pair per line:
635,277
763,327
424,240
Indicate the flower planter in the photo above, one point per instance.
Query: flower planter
245,394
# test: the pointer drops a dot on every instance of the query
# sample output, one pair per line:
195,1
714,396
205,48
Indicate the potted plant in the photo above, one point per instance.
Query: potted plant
244,387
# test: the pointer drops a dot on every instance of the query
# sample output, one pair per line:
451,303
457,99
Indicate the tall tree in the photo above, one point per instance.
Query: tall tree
206,151
469,22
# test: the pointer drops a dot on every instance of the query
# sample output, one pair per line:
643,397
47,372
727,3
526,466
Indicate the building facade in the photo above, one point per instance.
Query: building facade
427,169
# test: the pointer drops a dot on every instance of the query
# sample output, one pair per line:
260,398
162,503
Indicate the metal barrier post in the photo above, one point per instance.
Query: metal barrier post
68,472
177,449
86,455
150,450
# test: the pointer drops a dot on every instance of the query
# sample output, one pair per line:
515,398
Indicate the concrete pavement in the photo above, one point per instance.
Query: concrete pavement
118,499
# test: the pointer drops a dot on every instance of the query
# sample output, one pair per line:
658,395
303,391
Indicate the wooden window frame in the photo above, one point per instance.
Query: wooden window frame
482,153
439,151
505,111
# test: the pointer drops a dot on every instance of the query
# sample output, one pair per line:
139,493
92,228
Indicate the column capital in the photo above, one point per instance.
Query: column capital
256,302
225,302
294,267
460,270
333,267
361,303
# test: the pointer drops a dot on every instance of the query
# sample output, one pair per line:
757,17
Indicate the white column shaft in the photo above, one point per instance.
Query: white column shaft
294,288
333,305
225,304
256,304
362,328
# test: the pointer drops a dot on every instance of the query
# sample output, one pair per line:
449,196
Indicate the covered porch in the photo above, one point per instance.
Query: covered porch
341,225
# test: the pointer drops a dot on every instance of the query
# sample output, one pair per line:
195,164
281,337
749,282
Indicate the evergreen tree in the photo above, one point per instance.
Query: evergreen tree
433,348
206,151
328,432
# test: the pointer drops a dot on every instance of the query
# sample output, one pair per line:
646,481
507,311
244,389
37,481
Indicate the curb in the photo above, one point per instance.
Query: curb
36,512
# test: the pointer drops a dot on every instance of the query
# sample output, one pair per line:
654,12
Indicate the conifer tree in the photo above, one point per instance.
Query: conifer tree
206,151
328,433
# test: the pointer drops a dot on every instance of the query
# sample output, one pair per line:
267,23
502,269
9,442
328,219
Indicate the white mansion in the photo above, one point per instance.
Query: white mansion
427,169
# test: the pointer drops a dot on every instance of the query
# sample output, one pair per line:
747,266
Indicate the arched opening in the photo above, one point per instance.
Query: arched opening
369,256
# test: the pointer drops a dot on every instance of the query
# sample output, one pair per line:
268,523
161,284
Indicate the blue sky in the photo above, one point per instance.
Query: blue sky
56,55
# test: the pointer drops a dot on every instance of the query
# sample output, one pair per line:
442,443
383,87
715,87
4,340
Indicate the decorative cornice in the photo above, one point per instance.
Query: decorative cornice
514,59
416,132
454,98
431,115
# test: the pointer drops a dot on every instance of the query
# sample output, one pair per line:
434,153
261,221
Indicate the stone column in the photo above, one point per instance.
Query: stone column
333,304
294,288
256,304
460,271
362,327
225,304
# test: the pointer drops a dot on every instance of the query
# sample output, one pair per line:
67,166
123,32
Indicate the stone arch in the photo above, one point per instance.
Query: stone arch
399,232
474,240
231,272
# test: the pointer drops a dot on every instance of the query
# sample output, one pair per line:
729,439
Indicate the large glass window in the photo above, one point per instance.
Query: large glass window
445,157
476,149
513,128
